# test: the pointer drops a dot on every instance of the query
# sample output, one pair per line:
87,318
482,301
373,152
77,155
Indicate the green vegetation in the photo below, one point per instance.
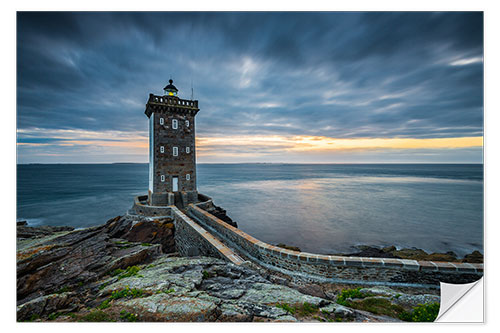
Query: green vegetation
123,293
350,293
307,309
381,306
128,272
205,274
53,315
104,285
123,243
422,313
63,290
116,272
287,307
34,317
96,316
127,316
105,304
80,284
303,310
168,291
145,244
127,292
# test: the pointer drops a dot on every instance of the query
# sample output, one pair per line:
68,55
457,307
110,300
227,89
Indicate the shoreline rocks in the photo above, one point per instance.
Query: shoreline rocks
126,270
413,253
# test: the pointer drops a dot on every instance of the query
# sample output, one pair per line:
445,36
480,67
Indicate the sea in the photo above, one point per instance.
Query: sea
321,208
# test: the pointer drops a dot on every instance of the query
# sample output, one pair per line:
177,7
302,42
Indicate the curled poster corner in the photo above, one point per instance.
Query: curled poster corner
462,303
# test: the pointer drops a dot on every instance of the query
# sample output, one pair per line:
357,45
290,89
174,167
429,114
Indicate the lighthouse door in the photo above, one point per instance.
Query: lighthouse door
175,184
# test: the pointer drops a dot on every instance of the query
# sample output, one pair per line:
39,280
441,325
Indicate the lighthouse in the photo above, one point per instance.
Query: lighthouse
172,150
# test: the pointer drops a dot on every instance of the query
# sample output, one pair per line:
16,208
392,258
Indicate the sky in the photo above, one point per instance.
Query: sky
315,87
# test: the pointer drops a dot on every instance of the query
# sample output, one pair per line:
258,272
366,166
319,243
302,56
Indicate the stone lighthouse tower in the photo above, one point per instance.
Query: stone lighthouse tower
172,159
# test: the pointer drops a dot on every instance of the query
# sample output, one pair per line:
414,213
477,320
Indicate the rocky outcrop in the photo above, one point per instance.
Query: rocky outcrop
66,260
413,253
144,230
221,213
24,231
120,272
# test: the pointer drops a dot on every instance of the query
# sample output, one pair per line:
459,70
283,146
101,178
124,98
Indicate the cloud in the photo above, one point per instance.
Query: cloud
342,75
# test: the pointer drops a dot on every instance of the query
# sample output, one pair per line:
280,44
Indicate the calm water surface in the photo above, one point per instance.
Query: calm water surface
320,208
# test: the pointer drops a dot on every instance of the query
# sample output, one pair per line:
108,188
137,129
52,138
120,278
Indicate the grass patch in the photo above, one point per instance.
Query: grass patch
123,293
287,307
380,306
34,317
145,244
303,310
127,292
168,291
105,304
104,285
123,243
54,316
128,272
307,309
116,272
205,274
421,313
63,290
350,293
127,316
96,316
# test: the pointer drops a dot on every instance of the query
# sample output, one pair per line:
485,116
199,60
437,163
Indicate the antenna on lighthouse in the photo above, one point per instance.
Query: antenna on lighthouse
192,90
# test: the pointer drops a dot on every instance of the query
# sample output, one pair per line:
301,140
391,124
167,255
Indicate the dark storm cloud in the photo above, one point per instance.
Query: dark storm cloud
328,74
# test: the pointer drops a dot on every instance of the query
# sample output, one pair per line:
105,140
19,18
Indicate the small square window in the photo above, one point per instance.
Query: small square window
187,123
174,123
162,121
188,176
162,178
187,150
162,149
175,151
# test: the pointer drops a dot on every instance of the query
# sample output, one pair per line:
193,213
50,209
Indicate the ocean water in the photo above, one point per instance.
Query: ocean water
321,208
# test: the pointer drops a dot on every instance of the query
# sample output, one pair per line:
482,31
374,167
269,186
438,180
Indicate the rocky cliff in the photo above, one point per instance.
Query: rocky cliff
127,270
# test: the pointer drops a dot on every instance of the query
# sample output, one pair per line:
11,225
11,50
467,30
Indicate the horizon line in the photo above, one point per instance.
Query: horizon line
299,163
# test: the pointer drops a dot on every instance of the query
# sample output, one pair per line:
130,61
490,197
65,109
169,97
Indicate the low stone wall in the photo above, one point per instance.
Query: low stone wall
142,208
325,268
192,240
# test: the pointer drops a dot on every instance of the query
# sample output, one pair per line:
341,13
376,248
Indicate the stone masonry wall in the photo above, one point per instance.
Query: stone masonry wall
192,240
142,208
324,268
